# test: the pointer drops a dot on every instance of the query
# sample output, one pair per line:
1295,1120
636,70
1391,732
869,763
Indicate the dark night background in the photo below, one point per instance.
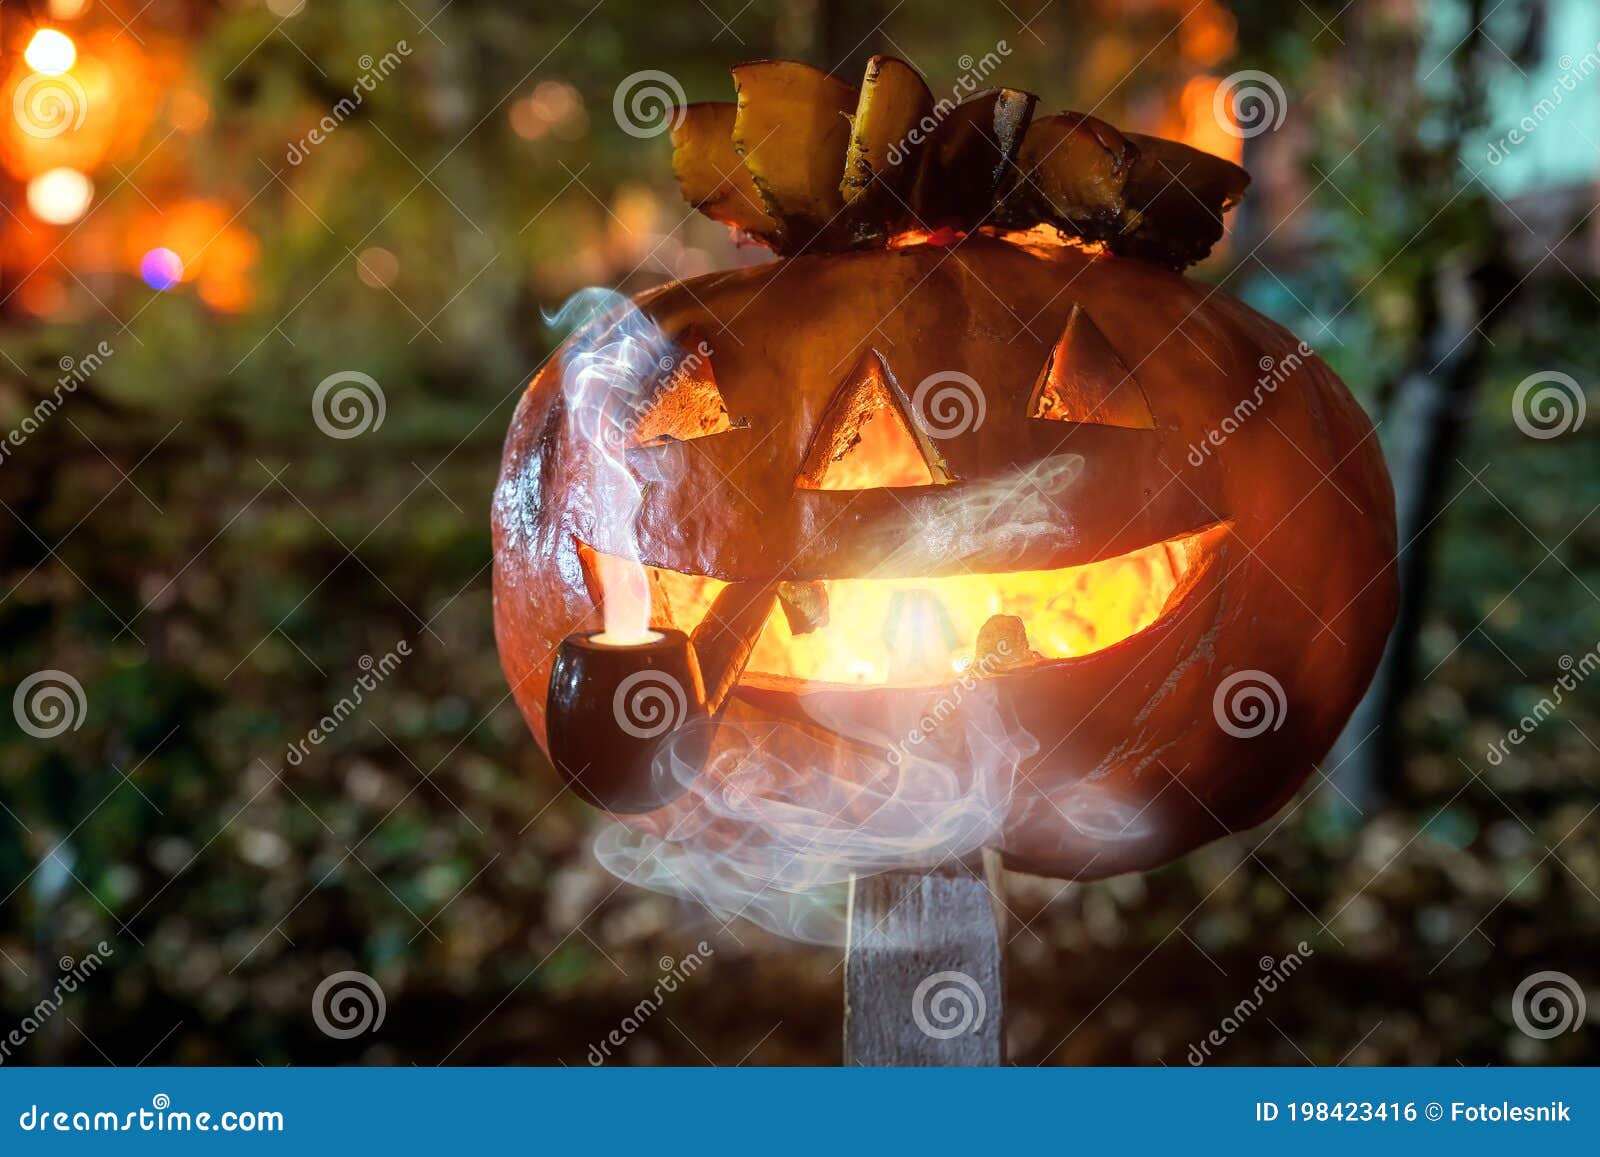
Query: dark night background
211,568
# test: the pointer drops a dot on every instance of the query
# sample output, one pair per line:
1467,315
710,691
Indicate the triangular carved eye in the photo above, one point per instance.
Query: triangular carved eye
684,401
1086,381
867,438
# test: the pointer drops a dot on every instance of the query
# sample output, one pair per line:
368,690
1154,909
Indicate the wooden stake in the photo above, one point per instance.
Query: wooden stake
923,975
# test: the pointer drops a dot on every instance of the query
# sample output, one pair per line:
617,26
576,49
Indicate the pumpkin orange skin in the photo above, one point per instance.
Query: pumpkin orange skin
1132,767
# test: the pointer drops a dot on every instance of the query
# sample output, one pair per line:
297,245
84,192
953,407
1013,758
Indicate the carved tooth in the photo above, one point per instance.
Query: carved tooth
805,605
1002,645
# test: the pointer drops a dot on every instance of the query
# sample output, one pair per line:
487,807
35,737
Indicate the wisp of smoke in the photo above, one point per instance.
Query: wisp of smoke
607,372
782,818
772,830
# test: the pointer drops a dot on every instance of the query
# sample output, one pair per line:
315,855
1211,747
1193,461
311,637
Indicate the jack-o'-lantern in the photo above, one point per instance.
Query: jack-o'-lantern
974,428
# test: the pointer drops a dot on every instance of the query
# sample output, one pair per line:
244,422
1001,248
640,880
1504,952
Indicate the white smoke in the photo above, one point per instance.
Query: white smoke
608,369
781,818
773,828
995,520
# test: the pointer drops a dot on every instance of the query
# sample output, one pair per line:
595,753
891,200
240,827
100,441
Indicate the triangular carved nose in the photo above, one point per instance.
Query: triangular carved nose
867,438
1086,380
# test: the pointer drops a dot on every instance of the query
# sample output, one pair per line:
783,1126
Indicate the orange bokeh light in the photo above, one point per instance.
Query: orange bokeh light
50,52
60,196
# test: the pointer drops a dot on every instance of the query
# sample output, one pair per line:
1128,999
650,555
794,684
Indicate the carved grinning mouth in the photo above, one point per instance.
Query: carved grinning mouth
913,631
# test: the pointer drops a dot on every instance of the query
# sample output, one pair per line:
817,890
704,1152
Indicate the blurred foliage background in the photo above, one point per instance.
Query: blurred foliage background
182,539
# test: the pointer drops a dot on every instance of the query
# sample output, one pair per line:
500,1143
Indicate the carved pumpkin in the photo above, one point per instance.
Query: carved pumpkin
956,432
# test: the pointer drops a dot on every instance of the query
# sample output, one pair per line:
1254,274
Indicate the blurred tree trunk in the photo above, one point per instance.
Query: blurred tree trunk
1426,422
1426,409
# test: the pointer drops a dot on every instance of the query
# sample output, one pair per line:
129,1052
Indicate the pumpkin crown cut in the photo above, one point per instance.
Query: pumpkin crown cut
802,162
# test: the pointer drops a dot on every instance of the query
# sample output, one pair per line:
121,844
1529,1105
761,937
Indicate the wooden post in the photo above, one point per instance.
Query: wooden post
923,976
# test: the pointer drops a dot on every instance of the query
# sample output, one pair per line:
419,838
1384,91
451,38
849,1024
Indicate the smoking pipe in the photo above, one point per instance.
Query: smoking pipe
615,707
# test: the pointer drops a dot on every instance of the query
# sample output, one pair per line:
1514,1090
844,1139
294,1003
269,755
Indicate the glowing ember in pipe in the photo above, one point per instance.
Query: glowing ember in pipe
607,639
627,602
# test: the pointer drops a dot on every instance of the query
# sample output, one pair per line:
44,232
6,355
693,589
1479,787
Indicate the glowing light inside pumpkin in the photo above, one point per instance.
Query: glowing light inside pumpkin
885,455
920,630
865,441
916,631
